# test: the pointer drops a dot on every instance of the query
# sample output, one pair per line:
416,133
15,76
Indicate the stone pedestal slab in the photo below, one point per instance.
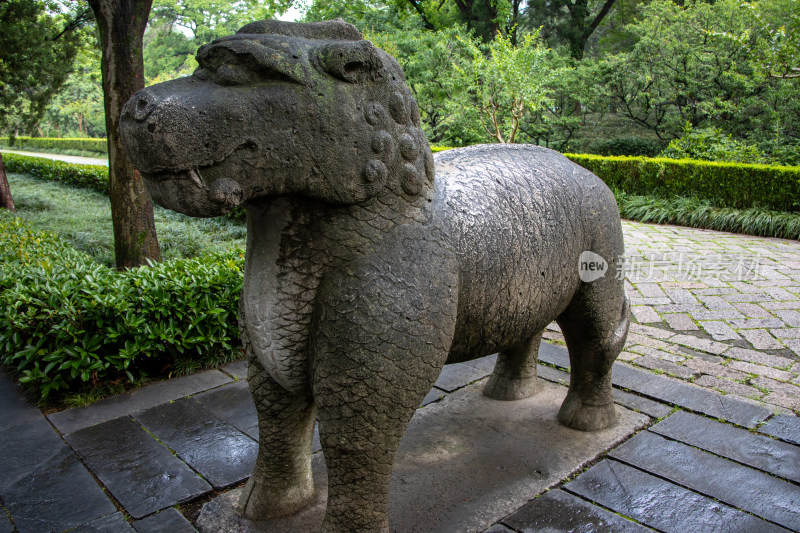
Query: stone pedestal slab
464,463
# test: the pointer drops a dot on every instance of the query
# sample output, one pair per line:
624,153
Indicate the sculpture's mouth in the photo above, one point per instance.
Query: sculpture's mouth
188,192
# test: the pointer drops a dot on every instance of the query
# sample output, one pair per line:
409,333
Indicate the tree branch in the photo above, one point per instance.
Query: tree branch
600,16
418,7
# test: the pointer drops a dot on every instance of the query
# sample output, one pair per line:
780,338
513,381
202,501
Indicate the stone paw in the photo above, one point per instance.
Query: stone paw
259,503
577,415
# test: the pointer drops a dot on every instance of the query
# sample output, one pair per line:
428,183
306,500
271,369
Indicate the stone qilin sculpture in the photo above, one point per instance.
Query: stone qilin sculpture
369,263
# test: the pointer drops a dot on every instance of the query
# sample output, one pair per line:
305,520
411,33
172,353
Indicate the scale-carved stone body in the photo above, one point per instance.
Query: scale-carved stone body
370,264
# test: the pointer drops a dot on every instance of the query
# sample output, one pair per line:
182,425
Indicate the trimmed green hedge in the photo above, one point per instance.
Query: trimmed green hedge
724,184
99,146
88,176
67,322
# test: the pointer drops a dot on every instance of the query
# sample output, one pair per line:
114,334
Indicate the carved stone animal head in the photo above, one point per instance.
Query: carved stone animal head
279,108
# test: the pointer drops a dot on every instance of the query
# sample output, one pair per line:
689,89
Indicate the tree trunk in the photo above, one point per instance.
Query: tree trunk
5,191
122,24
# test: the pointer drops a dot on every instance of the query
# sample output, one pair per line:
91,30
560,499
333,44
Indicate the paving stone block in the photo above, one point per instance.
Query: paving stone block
434,395
5,524
627,356
703,345
714,369
659,354
759,358
786,333
552,375
232,403
218,451
15,409
729,387
719,330
761,339
498,528
680,308
774,306
751,310
793,344
761,370
658,503
141,473
763,453
654,363
784,427
715,303
787,389
645,314
779,293
113,523
690,397
748,298
790,317
237,369
554,355
783,400
557,511
753,323
167,521
737,485
650,290
716,315
641,404
131,402
635,338
42,483
680,322
681,296
649,331
638,301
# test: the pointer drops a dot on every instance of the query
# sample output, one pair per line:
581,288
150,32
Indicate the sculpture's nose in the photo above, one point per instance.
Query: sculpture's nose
140,106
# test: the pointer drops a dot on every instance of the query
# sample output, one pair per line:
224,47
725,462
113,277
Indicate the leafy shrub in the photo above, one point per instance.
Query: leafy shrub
88,176
697,213
99,146
724,184
632,146
712,145
66,321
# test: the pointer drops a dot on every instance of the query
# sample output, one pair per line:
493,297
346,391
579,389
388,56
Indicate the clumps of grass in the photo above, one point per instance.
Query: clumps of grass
698,213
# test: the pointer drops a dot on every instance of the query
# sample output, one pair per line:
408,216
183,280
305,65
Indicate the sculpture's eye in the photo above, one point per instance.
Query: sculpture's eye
241,62
353,62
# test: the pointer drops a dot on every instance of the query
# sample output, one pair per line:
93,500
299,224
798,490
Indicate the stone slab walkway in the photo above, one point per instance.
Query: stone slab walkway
719,310
704,460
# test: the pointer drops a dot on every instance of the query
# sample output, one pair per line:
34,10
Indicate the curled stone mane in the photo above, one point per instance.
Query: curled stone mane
400,157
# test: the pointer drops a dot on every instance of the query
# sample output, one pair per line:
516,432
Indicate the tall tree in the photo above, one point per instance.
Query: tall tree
571,22
122,24
37,50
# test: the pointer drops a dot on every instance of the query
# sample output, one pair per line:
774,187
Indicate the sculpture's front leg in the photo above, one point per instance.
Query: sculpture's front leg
378,349
281,483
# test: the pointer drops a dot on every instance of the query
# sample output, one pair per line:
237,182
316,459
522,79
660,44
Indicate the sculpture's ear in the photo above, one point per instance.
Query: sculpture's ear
353,62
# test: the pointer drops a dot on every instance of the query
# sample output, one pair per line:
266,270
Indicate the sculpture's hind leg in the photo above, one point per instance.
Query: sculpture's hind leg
281,483
595,326
514,375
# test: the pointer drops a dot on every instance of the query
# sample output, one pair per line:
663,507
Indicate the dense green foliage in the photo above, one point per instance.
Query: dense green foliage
724,184
97,145
37,47
697,213
66,321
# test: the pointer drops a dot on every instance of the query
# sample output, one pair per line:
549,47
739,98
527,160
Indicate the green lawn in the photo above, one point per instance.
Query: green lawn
83,218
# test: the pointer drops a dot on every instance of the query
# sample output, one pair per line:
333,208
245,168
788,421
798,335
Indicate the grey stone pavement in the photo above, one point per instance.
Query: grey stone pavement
706,387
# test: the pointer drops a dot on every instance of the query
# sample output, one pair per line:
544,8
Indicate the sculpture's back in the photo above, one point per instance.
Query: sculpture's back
364,274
